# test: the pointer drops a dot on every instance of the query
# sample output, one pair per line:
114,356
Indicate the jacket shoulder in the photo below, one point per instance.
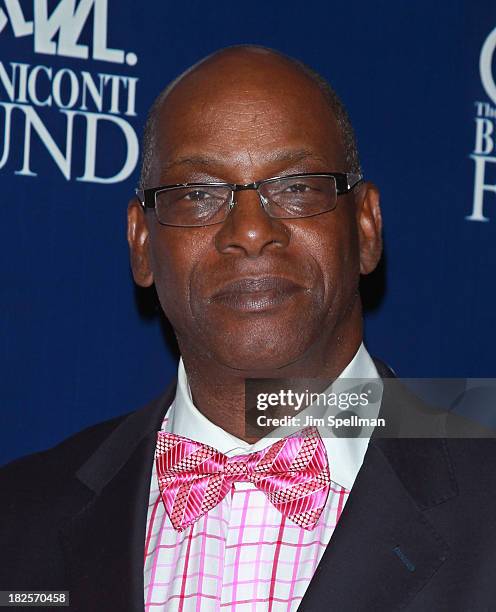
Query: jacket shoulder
40,475
51,467
43,492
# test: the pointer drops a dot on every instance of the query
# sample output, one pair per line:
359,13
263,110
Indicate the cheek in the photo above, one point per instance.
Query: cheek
332,243
175,254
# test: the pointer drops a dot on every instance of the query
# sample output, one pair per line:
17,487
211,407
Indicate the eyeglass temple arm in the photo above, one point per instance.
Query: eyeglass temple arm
140,194
353,180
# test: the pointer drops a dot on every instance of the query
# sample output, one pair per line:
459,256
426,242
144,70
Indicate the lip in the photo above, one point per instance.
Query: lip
256,294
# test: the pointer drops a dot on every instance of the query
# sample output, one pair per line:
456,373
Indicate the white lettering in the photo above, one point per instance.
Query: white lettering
95,93
131,97
20,26
485,65
66,88
33,124
32,81
33,121
8,83
74,88
6,134
100,50
58,32
67,21
132,149
480,187
23,79
483,142
57,27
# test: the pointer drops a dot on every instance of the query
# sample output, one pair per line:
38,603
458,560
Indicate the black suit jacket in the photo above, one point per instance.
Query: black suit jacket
418,531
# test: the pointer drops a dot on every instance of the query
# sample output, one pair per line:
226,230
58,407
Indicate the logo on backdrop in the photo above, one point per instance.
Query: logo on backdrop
484,153
93,108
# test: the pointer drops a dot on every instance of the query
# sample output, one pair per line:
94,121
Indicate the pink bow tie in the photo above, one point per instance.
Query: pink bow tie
293,473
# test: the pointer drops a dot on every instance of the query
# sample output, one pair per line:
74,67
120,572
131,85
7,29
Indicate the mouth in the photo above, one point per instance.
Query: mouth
258,294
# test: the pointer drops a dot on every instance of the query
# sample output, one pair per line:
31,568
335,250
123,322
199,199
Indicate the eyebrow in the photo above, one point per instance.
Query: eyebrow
281,156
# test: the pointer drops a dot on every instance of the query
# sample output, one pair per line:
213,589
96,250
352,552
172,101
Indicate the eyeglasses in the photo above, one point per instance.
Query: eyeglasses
282,197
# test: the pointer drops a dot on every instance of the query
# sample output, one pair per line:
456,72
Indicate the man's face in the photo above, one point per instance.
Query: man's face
253,293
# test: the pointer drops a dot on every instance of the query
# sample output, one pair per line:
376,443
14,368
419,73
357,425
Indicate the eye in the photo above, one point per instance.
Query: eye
197,196
298,188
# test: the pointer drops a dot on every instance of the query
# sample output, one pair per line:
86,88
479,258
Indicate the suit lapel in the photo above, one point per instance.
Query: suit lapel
103,543
384,549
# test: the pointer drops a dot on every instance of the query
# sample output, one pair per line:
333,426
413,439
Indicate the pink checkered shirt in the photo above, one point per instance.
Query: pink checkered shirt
243,555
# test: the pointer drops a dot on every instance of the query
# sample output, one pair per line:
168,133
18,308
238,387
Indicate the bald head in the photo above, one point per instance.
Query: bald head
249,76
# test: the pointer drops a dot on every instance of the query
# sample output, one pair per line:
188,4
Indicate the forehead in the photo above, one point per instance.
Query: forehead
249,115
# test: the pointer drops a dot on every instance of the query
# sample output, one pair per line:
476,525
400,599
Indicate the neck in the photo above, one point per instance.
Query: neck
219,391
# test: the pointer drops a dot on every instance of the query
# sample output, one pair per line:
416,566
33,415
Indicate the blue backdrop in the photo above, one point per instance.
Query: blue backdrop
78,343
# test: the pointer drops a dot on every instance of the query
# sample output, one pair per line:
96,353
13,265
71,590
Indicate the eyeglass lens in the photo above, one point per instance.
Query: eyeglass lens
292,197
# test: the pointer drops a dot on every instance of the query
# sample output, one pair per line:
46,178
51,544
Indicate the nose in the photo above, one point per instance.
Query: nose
248,229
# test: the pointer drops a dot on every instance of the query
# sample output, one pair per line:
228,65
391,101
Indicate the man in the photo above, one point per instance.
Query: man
259,279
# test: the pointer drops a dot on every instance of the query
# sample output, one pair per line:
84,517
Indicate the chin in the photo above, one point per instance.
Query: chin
261,354
263,342
261,367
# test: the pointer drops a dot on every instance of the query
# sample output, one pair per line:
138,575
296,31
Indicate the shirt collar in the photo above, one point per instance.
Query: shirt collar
345,454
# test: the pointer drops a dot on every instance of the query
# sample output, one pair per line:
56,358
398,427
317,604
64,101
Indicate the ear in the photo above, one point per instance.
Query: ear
369,227
138,240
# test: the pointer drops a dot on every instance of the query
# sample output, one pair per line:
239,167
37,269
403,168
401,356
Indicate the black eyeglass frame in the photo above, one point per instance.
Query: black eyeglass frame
345,182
